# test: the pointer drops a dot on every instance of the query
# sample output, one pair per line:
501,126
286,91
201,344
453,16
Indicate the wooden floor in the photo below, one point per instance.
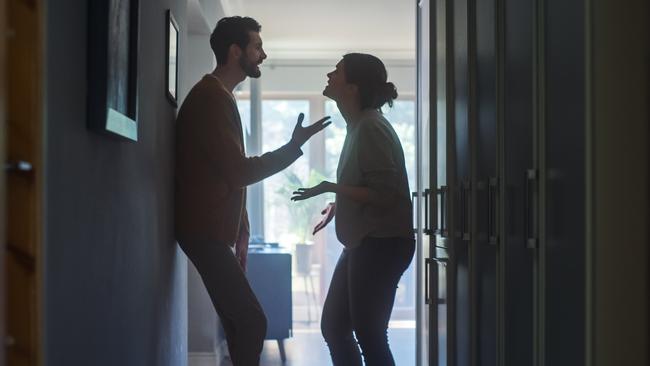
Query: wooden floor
307,348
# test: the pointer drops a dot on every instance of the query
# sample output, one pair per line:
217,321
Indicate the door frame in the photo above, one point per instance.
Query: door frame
3,111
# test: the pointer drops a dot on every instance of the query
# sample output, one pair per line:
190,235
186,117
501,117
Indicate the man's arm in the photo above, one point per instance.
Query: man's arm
240,170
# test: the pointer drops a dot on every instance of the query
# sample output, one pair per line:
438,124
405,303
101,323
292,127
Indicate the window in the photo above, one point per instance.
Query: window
289,223
282,223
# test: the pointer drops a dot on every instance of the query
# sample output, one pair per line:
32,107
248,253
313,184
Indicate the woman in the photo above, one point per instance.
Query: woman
374,216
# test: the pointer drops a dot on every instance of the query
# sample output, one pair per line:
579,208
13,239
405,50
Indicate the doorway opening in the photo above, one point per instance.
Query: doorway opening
304,40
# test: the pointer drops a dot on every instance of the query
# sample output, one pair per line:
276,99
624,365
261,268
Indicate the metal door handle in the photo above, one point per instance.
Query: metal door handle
442,261
414,196
18,166
466,190
531,178
493,236
427,230
459,211
442,230
427,264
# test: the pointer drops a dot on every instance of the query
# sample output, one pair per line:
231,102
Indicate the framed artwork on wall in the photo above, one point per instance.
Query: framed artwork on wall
113,67
171,57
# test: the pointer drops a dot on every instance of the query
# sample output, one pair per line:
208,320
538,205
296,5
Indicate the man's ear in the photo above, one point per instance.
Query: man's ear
234,52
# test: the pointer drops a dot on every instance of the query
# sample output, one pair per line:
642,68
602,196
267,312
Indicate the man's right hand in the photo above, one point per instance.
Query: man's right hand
302,134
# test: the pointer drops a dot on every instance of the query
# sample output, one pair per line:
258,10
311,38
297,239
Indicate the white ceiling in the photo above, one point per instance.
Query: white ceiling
326,29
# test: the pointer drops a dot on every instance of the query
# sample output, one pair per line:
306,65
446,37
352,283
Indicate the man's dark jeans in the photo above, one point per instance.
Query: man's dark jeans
240,313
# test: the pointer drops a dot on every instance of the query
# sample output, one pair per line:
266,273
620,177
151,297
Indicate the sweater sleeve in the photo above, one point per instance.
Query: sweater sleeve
224,145
376,161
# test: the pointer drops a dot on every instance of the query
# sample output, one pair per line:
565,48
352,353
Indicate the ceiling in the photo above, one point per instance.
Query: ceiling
326,29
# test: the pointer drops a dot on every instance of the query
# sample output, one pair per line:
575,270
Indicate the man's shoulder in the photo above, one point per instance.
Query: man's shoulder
206,94
209,87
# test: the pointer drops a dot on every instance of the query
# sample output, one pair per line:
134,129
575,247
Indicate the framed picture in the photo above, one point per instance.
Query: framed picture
113,67
172,58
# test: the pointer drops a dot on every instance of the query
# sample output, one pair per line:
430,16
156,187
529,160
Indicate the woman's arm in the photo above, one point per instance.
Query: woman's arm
356,193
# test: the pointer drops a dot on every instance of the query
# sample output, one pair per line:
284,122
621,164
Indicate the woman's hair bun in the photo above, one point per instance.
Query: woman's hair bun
369,74
391,93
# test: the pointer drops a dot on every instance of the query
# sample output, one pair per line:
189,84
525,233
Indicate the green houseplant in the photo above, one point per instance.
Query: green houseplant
303,214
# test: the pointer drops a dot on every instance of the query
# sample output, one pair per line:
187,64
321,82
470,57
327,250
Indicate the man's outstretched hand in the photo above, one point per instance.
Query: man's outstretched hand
302,134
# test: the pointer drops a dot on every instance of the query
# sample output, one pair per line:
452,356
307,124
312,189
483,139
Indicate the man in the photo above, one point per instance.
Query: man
212,172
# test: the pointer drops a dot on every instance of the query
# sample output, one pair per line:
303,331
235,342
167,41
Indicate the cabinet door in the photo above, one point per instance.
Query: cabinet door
562,167
461,184
486,195
426,182
517,272
440,341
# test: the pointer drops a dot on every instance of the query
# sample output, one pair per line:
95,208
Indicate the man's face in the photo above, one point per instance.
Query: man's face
252,56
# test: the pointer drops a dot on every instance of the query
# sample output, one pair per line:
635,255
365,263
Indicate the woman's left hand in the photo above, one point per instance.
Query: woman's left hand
304,193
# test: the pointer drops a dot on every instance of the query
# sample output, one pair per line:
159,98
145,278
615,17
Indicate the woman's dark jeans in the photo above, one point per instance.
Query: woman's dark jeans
360,300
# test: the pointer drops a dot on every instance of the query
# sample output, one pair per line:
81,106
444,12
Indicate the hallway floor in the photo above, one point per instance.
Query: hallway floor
307,347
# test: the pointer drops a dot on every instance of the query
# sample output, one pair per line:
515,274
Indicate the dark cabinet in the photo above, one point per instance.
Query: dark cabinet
510,106
269,274
516,191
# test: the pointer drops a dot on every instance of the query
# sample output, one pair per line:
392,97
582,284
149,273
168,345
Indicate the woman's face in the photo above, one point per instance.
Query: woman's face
337,87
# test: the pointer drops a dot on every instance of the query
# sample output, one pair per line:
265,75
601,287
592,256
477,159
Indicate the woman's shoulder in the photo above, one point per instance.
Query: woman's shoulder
376,126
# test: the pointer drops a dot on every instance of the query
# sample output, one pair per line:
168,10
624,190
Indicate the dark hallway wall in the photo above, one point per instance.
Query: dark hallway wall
115,281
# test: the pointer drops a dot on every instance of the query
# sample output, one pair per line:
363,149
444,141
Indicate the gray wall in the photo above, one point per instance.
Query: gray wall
115,281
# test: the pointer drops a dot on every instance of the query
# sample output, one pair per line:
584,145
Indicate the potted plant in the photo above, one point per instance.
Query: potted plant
303,215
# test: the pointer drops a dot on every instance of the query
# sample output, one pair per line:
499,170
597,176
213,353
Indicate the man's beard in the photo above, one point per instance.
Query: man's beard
250,68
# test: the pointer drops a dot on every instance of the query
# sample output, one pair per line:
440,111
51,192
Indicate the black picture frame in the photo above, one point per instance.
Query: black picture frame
171,58
113,32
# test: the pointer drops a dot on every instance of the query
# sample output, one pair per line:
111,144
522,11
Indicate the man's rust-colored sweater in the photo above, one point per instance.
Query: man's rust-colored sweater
212,170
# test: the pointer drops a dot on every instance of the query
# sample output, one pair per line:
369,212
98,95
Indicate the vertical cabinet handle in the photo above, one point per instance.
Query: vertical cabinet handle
442,229
427,290
414,196
427,297
493,201
459,228
529,207
466,209
427,229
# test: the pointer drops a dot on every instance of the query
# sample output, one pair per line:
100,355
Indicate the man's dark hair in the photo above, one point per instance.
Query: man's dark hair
368,73
229,31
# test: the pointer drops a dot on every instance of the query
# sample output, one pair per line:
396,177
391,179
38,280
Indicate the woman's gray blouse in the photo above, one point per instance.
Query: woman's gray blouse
372,157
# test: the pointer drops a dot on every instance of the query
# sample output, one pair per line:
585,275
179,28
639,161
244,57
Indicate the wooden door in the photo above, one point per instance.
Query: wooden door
3,116
24,176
